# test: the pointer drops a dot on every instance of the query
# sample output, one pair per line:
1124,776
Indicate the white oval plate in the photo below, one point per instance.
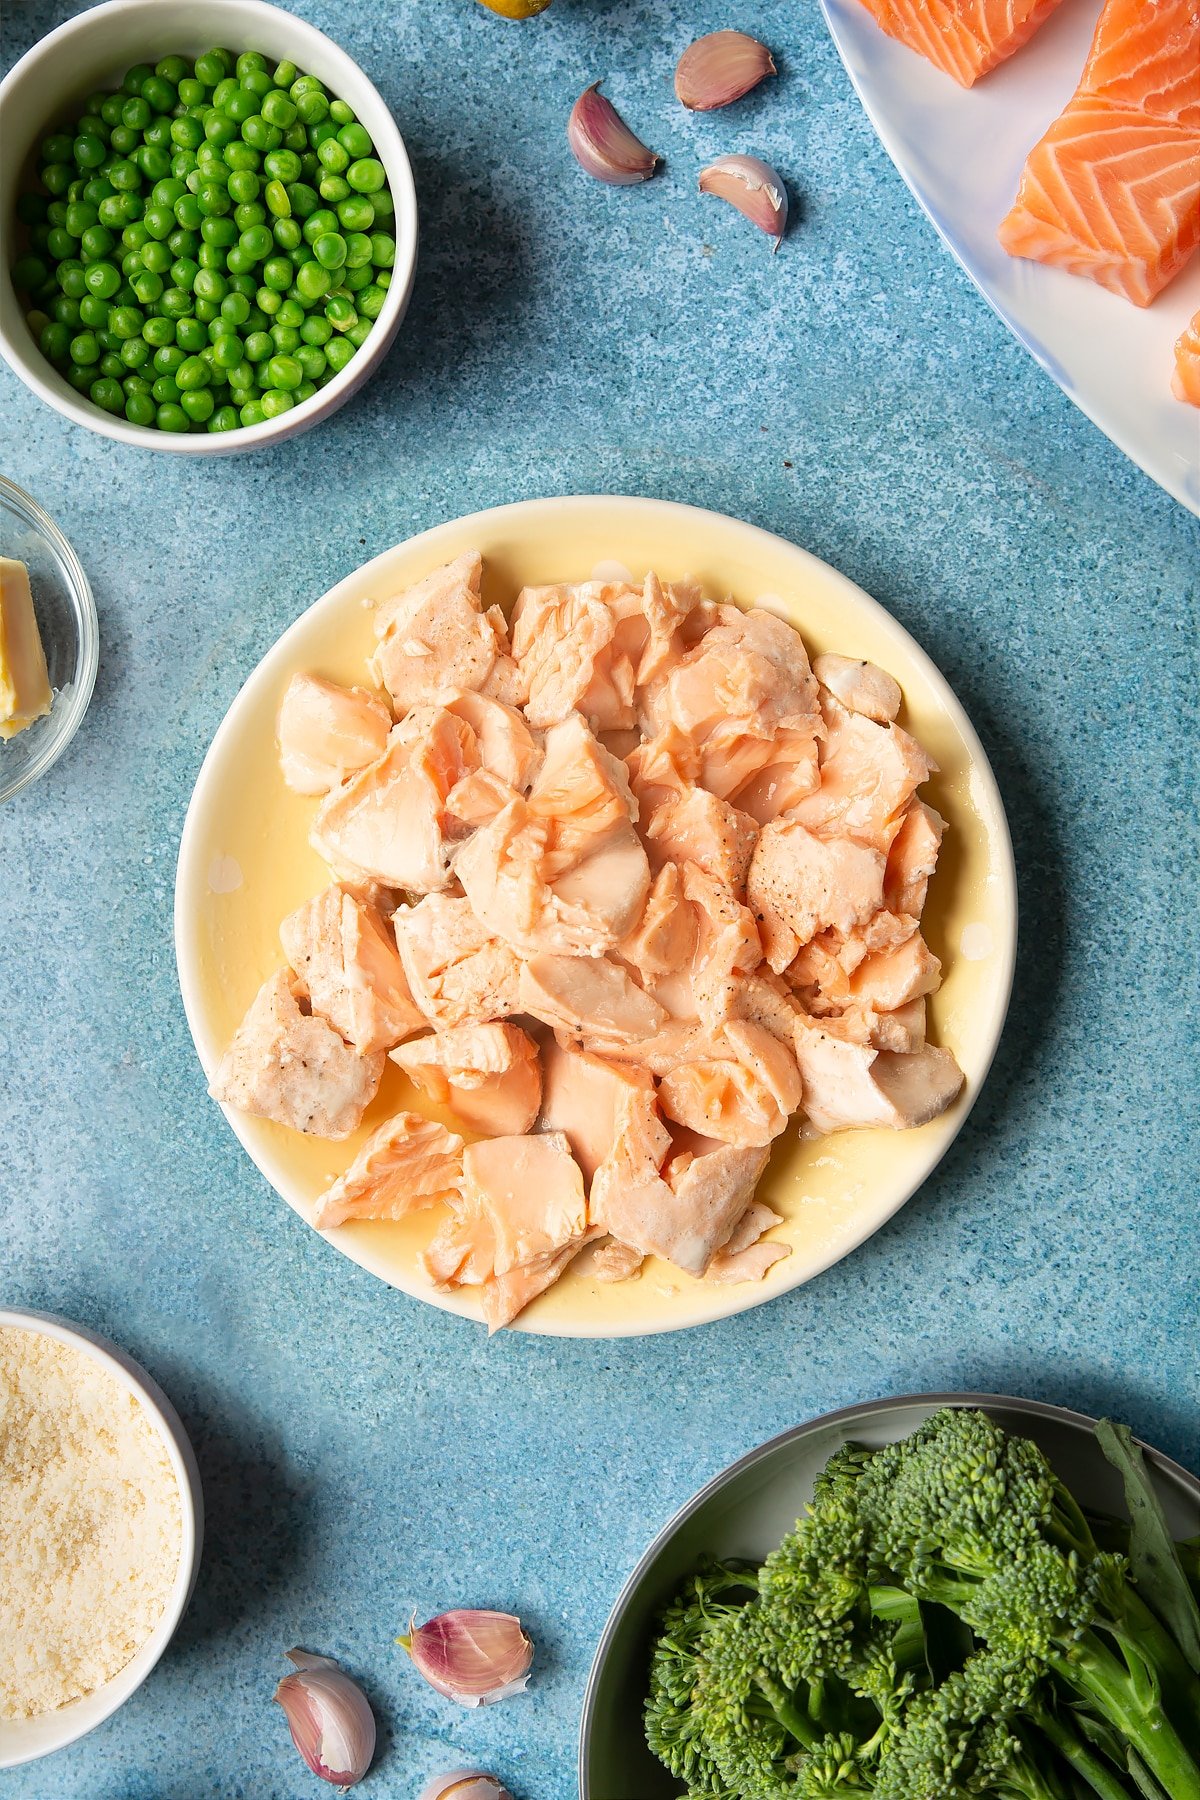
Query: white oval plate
245,862
961,151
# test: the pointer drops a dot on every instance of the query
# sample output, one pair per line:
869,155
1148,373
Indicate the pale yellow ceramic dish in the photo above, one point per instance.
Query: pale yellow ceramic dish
245,862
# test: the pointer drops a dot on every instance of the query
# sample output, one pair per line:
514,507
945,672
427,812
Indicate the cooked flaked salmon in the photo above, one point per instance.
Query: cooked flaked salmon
327,732
488,1075
435,639
284,1064
408,1164
964,38
390,821
457,972
696,861
348,966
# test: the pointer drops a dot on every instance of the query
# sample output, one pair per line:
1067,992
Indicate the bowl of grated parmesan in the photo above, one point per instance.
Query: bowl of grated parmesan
101,1518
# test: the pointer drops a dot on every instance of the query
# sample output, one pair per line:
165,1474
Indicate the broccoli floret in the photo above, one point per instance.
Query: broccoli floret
966,1516
753,1725
674,1730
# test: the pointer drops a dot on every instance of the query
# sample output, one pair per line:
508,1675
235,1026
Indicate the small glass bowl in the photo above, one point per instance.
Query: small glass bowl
66,616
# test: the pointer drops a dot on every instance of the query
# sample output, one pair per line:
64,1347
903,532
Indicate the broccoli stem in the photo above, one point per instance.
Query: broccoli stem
1091,1670
1099,1777
786,1710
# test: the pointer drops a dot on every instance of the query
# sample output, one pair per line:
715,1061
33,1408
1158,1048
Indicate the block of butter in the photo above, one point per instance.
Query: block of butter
24,684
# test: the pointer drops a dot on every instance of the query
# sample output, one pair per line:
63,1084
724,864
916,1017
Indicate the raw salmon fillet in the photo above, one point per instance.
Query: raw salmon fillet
1112,190
1185,382
965,38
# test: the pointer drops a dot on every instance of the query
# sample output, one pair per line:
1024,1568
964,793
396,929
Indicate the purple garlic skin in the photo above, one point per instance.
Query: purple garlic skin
475,1658
603,145
753,187
330,1720
718,69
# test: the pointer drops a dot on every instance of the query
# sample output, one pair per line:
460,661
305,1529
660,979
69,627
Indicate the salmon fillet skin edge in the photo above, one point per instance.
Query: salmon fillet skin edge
1112,189
963,38
1185,382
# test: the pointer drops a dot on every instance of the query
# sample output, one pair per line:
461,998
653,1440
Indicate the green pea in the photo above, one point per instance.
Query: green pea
198,404
191,335
187,132
191,92
260,134
135,353
276,400
240,106
341,112
244,187
93,312
257,242
172,68
167,358
56,178
188,215
220,233
316,330
356,213
276,197
312,108
156,257
317,222
136,112
236,308
277,273
192,373
140,409
79,217
159,330
106,393
333,158
103,279
295,138
305,200
282,165
287,234
285,338
112,212
80,375
210,285
84,348
184,272
312,361
284,74
224,419
171,417
249,213
154,163
55,341
371,300
29,273
285,372
358,250
338,352
60,243
183,242
329,248
358,334
176,303
367,176
89,150
334,189
66,311
354,279
212,67
259,347
228,351
219,130
183,163
159,221
277,109
239,262
268,301
355,140
252,413
96,243
126,321
340,312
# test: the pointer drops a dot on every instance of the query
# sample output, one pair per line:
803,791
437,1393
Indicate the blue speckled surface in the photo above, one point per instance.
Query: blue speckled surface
363,1456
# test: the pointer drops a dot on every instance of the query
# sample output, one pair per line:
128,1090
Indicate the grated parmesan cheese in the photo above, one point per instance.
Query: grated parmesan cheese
90,1524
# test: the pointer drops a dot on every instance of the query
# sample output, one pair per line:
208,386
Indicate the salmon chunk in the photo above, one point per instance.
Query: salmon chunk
911,859
558,633
347,964
745,1257
390,821
860,686
963,38
458,973
435,639
696,827
664,940
741,1087
849,1085
889,979
612,1261
1185,377
504,744
869,773
488,1074
800,884
788,777
326,733
286,1065
585,1098
408,1164
684,1215
587,997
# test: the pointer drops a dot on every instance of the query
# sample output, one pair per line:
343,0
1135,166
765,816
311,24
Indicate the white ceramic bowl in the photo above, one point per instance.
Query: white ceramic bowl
66,618
93,51
24,1740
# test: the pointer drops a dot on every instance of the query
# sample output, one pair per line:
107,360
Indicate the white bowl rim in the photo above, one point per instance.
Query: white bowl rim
326,400
135,1380
187,874
844,1415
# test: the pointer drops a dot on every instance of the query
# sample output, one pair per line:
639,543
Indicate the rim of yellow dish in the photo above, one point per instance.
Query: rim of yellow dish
244,863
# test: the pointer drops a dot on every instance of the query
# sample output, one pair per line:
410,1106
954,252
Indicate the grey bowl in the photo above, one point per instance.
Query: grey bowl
747,1509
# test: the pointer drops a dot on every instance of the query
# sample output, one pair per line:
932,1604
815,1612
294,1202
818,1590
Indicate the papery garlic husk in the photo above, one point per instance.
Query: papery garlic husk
465,1784
475,1658
753,187
330,1720
603,144
718,69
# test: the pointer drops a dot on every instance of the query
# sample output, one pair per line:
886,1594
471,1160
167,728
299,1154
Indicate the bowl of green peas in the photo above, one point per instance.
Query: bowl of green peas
209,222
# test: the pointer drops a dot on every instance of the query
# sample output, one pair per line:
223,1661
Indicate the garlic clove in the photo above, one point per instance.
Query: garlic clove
603,144
475,1658
720,68
464,1784
331,1723
753,187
